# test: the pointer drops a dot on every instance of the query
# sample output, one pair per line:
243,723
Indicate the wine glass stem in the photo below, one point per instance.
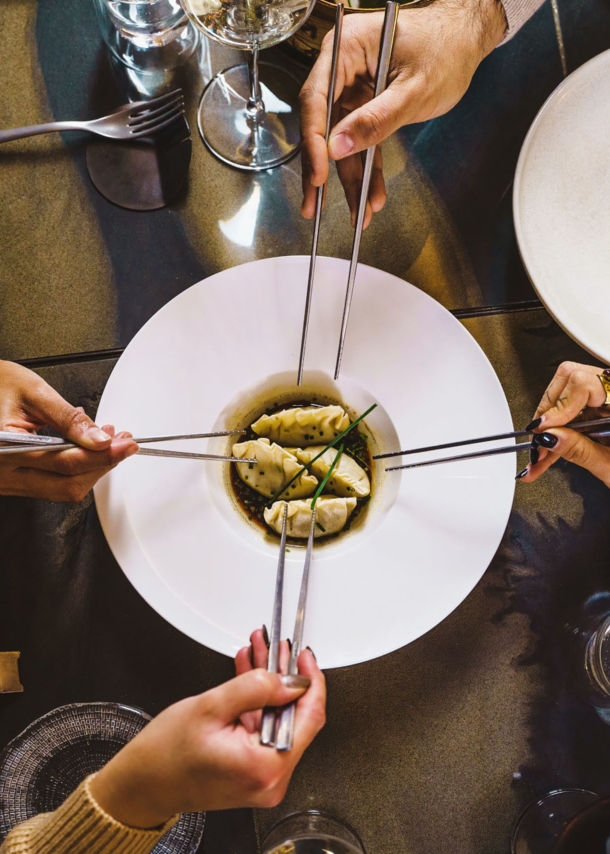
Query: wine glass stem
255,105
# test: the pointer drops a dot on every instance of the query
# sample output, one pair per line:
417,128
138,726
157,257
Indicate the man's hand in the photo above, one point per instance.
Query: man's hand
436,52
199,755
28,403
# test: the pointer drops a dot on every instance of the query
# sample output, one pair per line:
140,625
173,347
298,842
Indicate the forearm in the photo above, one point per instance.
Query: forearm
80,826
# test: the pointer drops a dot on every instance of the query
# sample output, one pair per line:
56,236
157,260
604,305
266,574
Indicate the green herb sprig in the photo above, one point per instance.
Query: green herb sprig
318,491
317,457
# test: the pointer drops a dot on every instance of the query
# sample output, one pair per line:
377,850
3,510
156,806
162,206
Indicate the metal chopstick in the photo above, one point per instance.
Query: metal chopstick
383,66
579,426
320,191
492,452
270,715
41,443
285,728
185,455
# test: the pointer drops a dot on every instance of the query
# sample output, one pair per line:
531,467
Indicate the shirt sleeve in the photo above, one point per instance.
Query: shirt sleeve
517,13
80,826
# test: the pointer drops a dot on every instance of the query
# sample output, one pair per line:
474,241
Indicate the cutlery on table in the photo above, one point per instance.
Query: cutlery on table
383,67
285,727
27,442
339,10
131,121
270,715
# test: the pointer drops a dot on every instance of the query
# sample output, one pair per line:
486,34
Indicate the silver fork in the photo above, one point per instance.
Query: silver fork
131,121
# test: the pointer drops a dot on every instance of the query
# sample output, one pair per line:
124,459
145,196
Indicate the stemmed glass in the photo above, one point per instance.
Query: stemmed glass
248,113
311,832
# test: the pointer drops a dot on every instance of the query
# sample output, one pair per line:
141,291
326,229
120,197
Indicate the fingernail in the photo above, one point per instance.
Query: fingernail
98,435
312,652
547,440
289,642
251,655
295,681
534,456
266,635
340,145
522,473
533,425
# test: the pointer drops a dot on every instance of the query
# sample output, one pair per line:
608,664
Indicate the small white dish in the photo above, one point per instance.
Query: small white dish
561,204
428,535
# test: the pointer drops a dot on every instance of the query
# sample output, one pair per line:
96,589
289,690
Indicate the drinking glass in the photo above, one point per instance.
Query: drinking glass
248,113
147,35
311,833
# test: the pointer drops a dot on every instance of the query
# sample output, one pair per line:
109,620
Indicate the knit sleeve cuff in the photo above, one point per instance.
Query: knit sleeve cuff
81,826
517,13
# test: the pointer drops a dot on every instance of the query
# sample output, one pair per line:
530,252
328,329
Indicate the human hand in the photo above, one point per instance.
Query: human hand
198,755
436,52
28,403
574,388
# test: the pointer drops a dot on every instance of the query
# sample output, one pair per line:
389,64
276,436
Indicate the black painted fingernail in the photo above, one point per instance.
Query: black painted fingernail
522,473
289,642
312,652
251,655
266,635
547,440
534,424
534,455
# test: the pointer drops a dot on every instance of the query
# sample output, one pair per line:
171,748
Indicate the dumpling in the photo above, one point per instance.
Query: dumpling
303,426
275,468
348,478
331,516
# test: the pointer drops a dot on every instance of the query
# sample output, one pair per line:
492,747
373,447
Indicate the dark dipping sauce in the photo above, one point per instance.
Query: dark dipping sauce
253,504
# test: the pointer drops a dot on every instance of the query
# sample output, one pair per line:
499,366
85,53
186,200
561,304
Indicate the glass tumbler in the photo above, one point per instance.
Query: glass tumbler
147,35
311,833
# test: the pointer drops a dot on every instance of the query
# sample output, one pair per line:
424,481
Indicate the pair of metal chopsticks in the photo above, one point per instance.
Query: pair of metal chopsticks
278,724
383,66
588,427
19,443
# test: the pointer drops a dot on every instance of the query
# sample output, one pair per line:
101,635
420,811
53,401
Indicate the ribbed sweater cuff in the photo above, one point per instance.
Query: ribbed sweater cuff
517,13
80,826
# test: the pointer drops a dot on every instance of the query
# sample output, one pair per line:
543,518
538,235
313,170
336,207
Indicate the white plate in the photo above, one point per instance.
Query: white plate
429,534
561,205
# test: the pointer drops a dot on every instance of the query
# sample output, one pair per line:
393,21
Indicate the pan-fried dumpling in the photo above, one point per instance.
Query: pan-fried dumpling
348,478
275,468
303,426
331,516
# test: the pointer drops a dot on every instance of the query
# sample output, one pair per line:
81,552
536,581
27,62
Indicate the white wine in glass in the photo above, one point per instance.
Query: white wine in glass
248,114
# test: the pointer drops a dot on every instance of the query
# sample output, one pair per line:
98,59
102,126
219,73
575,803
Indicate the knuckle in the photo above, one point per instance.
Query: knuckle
78,419
74,492
578,450
567,368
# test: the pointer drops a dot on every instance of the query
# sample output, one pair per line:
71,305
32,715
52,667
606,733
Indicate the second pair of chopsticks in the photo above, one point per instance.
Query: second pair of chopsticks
278,724
383,67
19,443
591,428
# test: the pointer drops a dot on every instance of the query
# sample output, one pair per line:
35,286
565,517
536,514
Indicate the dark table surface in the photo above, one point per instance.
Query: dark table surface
438,746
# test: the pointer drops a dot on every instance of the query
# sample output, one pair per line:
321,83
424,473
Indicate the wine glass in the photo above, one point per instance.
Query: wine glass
248,113
311,832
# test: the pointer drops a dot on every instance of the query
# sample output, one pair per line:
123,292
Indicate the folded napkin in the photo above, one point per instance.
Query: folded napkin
9,673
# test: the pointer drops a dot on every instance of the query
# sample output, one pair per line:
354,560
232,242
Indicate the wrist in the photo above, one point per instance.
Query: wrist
126,797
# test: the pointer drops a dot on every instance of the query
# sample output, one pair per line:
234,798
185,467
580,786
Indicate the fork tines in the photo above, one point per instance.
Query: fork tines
146,117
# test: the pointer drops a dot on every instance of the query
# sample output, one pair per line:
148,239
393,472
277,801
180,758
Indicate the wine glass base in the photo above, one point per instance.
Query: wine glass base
233,136
541,824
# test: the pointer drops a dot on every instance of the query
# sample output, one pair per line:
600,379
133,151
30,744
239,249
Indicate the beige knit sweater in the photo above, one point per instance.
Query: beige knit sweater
80,826
517,13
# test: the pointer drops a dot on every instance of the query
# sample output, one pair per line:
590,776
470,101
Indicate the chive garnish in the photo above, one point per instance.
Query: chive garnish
318,491
330,445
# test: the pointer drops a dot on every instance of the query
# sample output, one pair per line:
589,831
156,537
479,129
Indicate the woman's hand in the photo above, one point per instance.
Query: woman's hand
198,755
436,52
574,388
28,403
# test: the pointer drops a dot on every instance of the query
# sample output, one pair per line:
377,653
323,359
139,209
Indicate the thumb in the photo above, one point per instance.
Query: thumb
255,690
70,421
579,449
372,123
